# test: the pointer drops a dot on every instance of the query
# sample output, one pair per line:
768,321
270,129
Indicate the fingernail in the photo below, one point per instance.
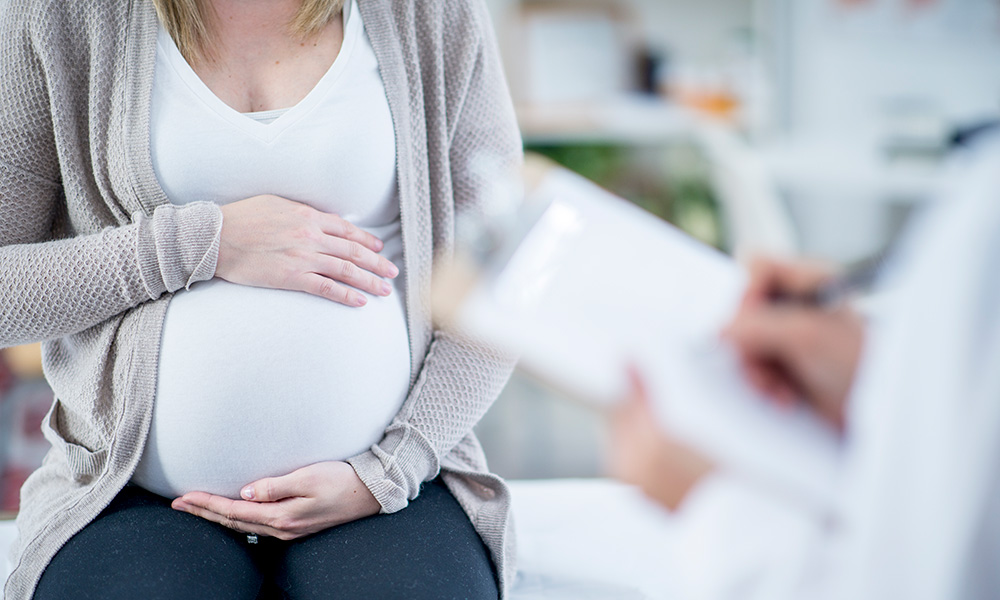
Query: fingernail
386,289
360,301
247,492
393,270
179,505
379,244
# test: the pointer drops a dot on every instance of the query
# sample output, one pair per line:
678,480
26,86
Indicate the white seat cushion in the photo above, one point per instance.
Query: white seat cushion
588,539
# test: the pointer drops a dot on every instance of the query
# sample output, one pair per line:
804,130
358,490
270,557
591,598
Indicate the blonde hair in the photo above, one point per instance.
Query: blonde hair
187,21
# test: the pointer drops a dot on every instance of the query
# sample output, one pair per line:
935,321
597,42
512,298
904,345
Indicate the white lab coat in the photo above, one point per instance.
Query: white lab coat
919,517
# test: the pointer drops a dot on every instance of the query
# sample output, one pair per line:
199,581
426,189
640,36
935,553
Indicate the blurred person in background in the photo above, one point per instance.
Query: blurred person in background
913,391
220,217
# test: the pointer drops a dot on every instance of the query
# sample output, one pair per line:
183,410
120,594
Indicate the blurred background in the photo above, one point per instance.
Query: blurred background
808,127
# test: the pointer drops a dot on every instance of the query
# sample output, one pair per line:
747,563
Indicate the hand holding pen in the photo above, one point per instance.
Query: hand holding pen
797,340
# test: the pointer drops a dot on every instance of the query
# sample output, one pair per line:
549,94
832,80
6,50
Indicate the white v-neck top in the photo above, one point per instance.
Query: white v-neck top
256,382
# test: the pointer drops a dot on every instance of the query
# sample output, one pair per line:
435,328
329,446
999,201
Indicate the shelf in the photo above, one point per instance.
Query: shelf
626,121
805,167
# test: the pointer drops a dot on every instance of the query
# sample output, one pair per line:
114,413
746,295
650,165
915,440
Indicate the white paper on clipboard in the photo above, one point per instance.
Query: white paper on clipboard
594,277
597,285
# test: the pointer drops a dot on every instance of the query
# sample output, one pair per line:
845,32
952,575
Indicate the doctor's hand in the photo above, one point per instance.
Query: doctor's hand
271,242
304,502
792,351
642,454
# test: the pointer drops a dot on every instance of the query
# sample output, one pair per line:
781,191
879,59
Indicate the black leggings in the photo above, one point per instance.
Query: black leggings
140,548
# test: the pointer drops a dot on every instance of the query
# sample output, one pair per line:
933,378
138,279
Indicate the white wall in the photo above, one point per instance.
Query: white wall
696,30
699,31
849,67
842,68
846,79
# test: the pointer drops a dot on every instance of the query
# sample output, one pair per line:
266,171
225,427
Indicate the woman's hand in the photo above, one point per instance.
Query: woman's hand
272,242
304,502
792,351
643,455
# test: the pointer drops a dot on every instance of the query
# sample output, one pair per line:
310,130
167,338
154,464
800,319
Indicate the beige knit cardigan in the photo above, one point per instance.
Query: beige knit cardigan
91,249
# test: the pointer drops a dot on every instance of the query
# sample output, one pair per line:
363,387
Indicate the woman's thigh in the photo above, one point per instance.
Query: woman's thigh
427,550
139,547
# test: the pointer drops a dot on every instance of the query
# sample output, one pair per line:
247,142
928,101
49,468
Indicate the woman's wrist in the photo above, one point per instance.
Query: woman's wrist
394,469
178,246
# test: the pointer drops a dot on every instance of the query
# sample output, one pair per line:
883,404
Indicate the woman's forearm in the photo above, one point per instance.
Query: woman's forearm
460,378
56,288
50,288
457,385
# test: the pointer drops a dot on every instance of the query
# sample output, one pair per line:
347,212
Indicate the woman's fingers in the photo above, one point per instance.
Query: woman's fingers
308,500
337,227
329,271
360,256
234,514
353,275
324,287
272,489
349,262
245,517
273,242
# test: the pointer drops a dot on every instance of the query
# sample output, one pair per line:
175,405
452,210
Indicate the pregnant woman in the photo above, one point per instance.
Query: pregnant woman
220,216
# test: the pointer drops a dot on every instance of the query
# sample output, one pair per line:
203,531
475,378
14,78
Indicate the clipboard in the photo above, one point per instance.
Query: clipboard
581,277
584,284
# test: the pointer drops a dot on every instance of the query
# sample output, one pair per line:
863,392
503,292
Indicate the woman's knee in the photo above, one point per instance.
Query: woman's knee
428,550
141,548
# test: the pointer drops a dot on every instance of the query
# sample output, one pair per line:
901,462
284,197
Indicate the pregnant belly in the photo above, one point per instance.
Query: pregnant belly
257,383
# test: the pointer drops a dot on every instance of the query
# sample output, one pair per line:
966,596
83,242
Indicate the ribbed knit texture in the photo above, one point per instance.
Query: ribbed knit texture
90,249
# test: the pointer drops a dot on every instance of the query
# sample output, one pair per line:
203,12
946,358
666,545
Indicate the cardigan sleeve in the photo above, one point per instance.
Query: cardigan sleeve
460,377
54,287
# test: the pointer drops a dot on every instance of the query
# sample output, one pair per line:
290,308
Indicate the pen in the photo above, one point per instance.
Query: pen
859,277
